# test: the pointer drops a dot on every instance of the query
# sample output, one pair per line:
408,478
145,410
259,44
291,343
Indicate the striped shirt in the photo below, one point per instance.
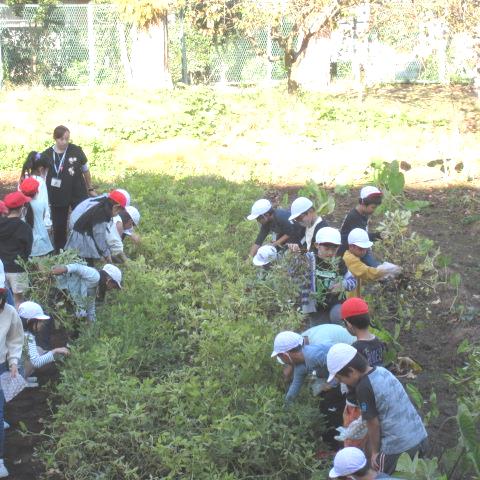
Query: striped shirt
32,354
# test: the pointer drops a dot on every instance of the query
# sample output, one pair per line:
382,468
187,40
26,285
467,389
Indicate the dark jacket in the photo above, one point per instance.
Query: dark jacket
72,189
16,239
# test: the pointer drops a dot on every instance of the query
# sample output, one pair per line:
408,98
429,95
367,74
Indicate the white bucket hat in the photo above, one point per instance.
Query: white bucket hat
31,310
347,461
328,235
260,207
134,214
265,255
299,206
337,357
114,273
286,341
359,237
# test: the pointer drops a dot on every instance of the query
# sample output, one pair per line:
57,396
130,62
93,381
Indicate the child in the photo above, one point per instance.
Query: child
37,216
36,357
16,239
370,199
289,348
328,276
394,426
304,214
84,283
358,245
351,462
273,220
88,236
265,256
11,342
357,320
116,231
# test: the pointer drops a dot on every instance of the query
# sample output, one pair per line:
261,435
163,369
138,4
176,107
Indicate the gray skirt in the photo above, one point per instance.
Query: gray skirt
83,244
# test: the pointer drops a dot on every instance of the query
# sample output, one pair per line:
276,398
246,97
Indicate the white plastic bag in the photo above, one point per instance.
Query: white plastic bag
11,386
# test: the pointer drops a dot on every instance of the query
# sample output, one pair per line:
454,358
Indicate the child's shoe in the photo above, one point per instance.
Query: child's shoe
6,425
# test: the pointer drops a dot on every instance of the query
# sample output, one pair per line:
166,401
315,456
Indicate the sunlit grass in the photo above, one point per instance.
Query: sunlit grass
242,135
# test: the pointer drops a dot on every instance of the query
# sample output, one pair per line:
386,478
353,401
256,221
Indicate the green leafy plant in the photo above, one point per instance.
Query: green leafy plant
418,469
322,200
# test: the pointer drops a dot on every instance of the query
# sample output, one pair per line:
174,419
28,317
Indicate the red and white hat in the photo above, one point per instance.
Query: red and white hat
118,197
16,200
370,191
29,186
354,306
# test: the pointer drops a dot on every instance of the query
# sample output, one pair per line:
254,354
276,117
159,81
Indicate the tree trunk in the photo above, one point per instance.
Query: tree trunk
289,62
150,56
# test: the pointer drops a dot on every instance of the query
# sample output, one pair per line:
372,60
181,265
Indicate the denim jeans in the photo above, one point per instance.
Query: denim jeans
3,368
369,259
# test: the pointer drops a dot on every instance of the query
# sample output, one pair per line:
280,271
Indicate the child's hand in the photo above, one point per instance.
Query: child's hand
61,351
136,239
58,270
293,247
13,370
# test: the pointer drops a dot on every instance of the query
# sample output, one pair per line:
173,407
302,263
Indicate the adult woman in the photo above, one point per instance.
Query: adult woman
89,232
68,181
85,283
37,216
11,343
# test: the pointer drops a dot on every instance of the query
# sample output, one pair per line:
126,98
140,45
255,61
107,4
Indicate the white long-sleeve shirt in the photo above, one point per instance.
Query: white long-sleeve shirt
11,335
81,282
32,354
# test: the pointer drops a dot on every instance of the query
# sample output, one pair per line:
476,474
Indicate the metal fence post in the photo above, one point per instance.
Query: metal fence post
1,60
269,74
91,44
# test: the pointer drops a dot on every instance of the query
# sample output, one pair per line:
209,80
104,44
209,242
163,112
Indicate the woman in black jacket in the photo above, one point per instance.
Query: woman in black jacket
68,181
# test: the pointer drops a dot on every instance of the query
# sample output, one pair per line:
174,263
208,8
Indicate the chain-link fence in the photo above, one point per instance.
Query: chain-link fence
77,45
66,46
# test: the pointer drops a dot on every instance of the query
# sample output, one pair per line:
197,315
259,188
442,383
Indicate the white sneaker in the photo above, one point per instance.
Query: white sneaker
30,385
3,470
32,379
6,425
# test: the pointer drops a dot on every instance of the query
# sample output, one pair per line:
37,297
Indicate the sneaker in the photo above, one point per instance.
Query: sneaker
30,385
3,470
32,379
6,425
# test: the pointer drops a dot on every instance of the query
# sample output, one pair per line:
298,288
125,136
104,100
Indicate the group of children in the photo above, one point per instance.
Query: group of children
96,227
343,359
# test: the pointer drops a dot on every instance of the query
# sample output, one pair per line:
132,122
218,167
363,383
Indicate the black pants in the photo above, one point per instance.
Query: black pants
332,406
59,226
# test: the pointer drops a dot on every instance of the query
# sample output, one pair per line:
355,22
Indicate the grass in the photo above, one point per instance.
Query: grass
247,134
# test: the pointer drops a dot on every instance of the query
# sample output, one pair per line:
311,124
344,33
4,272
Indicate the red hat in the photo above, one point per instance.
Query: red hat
118,197
354,306
30,186
3,208
16,200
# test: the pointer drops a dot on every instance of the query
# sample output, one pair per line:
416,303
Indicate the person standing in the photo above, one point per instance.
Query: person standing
37,212
68,181
11,343
16,239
